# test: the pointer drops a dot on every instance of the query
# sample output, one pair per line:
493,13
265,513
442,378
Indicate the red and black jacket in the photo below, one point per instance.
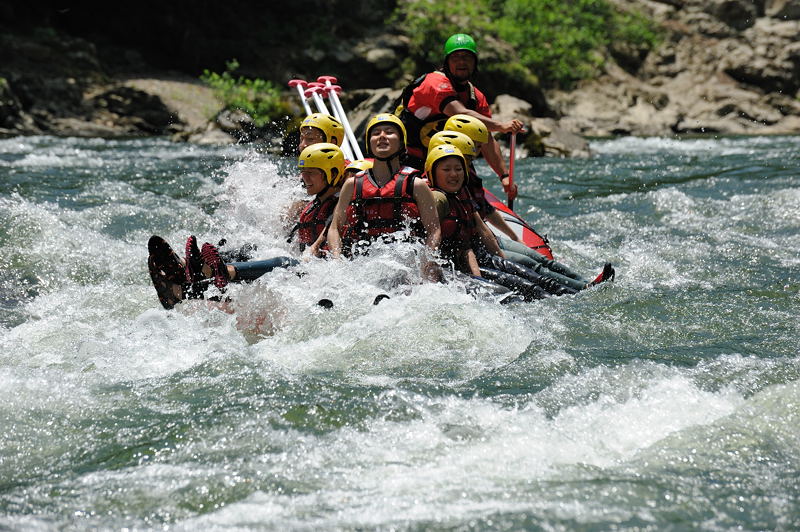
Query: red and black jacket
431,87
376,211
458,225
314,220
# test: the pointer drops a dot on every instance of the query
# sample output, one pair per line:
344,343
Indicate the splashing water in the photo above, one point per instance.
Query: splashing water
666,400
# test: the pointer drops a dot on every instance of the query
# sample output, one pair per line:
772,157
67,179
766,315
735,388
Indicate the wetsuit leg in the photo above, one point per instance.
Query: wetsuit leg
506,244
525,288
250,271
547,283
524,261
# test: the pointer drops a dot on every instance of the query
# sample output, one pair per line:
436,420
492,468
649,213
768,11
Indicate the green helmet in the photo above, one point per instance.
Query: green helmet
460,41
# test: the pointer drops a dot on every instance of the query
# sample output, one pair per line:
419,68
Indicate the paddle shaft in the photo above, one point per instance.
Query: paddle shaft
511,170
337,104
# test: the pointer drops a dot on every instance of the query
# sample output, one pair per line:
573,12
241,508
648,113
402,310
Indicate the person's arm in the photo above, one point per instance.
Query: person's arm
313,250
491,149
292,213
497,220
472,262
339,215
430,220
487,237
456,107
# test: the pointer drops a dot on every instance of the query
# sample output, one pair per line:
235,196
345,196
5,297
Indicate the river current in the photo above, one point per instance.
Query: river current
666,400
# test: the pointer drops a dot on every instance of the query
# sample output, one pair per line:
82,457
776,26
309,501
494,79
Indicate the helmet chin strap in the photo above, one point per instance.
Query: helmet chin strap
396,154
324,190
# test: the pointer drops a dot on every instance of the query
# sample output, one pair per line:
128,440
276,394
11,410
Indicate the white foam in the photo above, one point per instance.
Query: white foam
691,146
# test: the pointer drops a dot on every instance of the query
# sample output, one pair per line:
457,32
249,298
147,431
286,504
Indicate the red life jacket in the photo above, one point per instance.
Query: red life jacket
375,211
431,87
313,220
458,225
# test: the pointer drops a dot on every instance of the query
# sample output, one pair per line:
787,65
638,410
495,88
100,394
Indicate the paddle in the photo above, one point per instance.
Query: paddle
333,96
511,170
300,85
348,147
315,91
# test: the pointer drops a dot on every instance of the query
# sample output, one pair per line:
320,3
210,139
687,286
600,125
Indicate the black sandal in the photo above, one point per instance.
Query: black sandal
167,272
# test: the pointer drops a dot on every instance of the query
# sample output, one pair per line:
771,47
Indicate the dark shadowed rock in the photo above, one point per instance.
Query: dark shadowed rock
783,9
13,119
135,110
738,14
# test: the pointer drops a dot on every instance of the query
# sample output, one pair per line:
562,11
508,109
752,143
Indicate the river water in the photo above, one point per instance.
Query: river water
668,399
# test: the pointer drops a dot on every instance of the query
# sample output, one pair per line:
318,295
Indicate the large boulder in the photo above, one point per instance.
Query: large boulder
738,14
134,110
722,67
371,103
543,136
767,56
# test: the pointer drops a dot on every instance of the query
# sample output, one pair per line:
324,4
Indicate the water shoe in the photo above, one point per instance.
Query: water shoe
166,271
607,274
219,271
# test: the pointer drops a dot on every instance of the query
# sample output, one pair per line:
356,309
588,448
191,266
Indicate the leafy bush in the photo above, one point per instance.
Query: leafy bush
563,41
558,41
428,24
259,98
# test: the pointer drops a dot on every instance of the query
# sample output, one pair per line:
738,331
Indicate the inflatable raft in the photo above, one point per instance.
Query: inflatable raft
526,233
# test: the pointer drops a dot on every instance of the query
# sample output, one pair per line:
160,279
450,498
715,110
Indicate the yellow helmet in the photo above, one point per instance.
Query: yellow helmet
385,118
325,156
330,127
457,139
440,152
469,125
359,164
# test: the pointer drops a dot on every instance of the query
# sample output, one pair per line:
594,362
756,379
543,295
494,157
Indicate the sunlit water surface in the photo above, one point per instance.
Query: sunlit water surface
666,400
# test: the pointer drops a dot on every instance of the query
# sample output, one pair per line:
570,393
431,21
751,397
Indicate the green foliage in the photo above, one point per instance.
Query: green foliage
558,41
429,23
259,98
563,41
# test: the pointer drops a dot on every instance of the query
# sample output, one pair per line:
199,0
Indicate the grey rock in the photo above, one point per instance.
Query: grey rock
375,101
783,9
382,58
76,127
544,136
212,135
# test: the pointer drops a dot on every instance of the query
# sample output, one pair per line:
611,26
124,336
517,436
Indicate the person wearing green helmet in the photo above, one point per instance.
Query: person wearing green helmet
427,103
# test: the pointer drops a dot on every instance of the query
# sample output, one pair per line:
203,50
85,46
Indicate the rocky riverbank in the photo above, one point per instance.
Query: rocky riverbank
723,66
